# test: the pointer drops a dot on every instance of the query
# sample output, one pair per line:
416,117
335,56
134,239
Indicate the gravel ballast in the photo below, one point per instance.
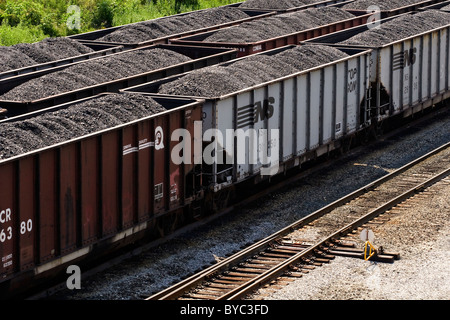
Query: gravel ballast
279,25
94,72
419,234
51,49
153,29
400,28
80,119
216,81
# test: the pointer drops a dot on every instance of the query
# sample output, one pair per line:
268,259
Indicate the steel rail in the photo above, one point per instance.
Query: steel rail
279,270
180,288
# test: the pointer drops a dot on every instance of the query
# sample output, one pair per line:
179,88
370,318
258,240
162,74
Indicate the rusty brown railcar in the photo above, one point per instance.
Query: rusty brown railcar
75,200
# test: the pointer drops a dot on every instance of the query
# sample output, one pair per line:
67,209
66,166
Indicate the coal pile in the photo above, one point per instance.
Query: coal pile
279,25
167,26
80,119
94,72
216,81
400,28
12,59
28,54
382,4
276,4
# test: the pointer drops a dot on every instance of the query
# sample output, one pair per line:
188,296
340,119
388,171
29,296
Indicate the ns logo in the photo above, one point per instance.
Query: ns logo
253,113
404,59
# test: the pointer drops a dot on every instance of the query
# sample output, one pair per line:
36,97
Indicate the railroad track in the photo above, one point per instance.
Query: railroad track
316,238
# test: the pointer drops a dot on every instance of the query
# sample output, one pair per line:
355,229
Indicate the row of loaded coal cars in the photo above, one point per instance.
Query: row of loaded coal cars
97,153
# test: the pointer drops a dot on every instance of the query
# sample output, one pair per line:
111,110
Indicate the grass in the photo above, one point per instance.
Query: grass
20,34
34,20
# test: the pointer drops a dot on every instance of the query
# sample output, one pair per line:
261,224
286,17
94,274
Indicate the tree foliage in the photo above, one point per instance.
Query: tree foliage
33,20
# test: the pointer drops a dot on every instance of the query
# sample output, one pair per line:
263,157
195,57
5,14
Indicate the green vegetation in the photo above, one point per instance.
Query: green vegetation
34,20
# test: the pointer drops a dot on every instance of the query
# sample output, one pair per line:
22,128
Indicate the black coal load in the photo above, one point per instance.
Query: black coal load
400,28
80,119
279,25
28,54
94,72
276,4
11,59
153,29
217,81
382,4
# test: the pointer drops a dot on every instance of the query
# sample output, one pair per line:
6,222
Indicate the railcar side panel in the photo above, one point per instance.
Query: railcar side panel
245,119
407,75
261,115
144,176
176,170
288,118
329,107
58,203
192,166
90,180
353,94
274,123
129,155
160,168
68,197
315,109
444,49
110,155
302,110
223,119
48,206
27,214
425,63
340,88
